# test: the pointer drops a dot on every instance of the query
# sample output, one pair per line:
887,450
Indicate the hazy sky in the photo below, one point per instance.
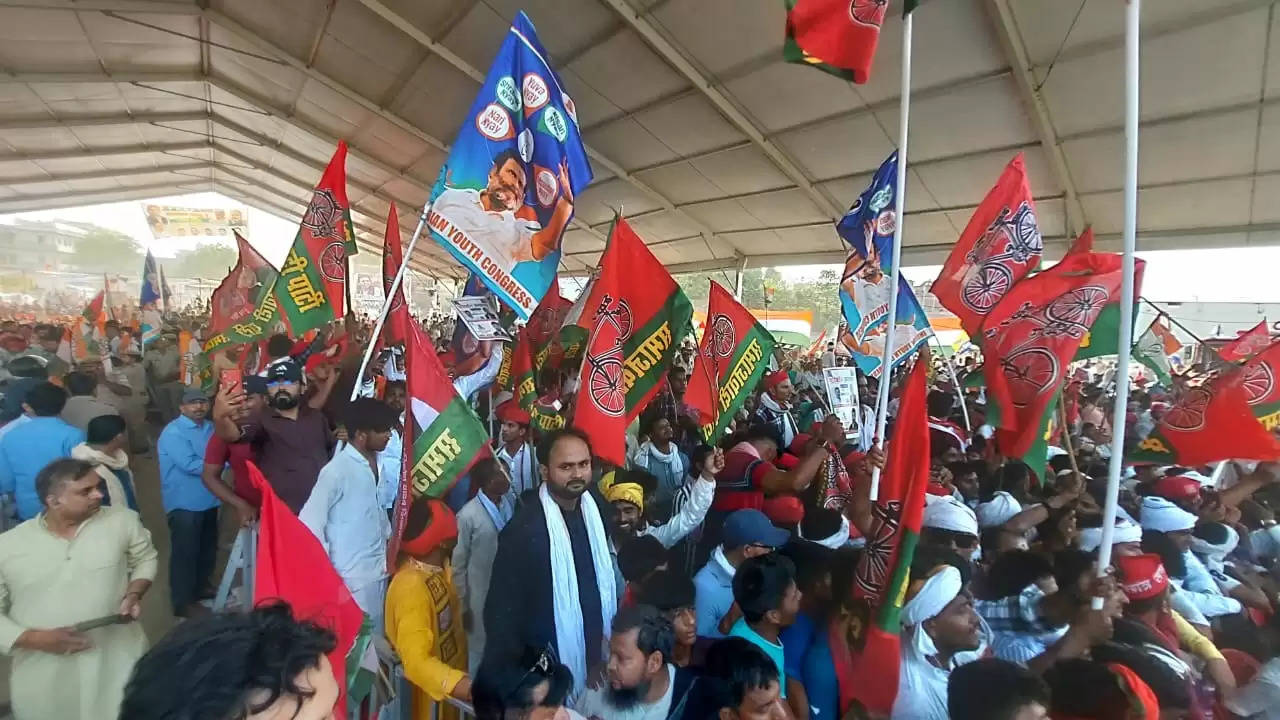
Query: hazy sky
1241,274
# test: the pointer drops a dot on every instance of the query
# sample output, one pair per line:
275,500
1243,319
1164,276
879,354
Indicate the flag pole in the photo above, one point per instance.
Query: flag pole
899,214
951,369
386,303
1132,13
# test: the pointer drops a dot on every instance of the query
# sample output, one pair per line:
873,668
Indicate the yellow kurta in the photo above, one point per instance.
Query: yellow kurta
49,582
424,625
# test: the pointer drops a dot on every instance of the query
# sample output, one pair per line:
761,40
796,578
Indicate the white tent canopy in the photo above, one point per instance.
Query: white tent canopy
722,155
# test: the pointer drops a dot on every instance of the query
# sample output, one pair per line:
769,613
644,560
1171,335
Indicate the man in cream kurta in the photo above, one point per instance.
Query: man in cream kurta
48,581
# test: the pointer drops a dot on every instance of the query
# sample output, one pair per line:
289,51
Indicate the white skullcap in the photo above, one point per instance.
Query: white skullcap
940,589
836,540
1125,532
1053,451
998,511
1204,480
948,513
1163,516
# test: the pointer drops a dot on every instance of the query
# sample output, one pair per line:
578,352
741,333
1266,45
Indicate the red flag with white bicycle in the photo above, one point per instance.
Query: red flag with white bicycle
639,323
734,354
1000,246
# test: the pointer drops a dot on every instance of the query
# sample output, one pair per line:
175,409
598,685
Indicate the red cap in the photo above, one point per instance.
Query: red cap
786,461
799,442
775,378
1177,487
1141,576
937,488
509,411
784,510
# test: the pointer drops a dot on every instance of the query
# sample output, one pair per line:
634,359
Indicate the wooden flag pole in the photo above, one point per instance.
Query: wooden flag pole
1132,51
899,216
951,370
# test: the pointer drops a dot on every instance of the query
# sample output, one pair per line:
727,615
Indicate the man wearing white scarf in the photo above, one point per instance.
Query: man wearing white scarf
774,409
553,576
1196,588
940,632
659,456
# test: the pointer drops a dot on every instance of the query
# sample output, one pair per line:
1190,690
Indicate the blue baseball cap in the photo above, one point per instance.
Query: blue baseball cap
752,527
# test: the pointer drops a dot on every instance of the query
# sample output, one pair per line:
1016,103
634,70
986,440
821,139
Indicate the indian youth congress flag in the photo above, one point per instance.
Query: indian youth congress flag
505,196
865,284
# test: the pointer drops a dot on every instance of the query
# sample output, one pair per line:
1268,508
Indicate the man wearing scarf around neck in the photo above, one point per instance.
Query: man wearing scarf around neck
774,408
479,522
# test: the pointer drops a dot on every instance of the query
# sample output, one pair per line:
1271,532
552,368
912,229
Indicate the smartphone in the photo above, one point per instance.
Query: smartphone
230,380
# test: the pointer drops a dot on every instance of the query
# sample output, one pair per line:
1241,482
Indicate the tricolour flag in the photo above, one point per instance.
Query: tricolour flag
505,195
1249,343
733,355
836,36
291,565
396,327
241,291
1207,423
1000,246
1149,350
866,664
865,286
1029,338
639,323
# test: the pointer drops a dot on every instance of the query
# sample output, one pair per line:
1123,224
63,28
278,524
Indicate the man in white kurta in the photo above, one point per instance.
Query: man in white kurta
51,580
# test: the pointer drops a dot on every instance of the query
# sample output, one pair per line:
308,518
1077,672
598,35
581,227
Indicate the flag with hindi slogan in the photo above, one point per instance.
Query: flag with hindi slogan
1249,343
641,319
396,327
1207,423
732,357
239,293
836,36
1149,350
1029,338
1000,246
865,285
506,193
866,658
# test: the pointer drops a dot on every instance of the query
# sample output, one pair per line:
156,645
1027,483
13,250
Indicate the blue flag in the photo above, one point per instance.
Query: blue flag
505,195
864,286
150,282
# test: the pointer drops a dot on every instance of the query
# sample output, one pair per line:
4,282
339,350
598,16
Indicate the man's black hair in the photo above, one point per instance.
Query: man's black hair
639,556
80,383
53,476
698,458
418,517
229,665
1171,556
655,633
507,154
991,689
1014,570
1172,689
763,431
929,557
394,385
485,471
760,584
28,366
555,436
506,682
646,480
1084,688
667,590
103,429
368,415
820,523
734,667
940,404
1058,463
812,562
278,346
1211,532
46,399
1068,566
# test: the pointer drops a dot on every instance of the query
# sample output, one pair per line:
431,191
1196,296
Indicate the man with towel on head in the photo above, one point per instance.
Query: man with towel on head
1196,596
940,632
1127,539
774,408
949,524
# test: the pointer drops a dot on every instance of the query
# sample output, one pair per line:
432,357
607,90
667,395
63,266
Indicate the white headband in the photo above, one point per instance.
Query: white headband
1161,515
940,589
1091,538
836,540
947,513
998,511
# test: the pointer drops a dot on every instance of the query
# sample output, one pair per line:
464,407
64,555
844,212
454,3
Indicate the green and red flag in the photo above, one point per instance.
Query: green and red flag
866,658
1249,343
1210,422
1261,388
639,322
396,328
1029,338
733,355
1103,337
1000,246
836,36
1037,455
544,326
240,292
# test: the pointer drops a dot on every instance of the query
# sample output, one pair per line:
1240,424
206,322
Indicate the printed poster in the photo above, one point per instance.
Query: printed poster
505,195
842,395
168,221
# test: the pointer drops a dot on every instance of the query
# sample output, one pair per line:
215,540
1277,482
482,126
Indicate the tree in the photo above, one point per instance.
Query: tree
210,261
821,296
108,251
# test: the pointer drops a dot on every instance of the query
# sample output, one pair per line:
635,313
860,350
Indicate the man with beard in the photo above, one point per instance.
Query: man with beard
291,440
344,512
775,407
553,575
497,220
192,510
642,684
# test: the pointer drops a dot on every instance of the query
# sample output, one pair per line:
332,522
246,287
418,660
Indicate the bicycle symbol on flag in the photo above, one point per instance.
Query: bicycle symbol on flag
1013,238
606,385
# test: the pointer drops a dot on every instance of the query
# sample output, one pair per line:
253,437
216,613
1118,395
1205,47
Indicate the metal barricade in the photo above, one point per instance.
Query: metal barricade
401,707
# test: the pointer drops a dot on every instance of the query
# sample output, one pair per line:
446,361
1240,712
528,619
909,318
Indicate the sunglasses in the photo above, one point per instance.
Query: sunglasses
542,664
762,546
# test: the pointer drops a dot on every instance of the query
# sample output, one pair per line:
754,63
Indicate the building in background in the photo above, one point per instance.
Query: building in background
39,246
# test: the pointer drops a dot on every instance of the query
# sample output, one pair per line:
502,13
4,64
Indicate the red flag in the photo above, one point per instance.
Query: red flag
396,328
1083,243
1249,343
837,36
733,355
1000,246
237,296
1211,422
292,566
641,318
867,667
1031,336
325,238
816,347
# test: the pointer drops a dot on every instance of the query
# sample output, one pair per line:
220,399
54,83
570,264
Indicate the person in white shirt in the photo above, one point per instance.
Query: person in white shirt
627,497
479,522
829,357
390,458
516,450
343,510
641,683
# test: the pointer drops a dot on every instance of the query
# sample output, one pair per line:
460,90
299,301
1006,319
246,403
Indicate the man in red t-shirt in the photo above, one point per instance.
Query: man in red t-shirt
751,471
241,495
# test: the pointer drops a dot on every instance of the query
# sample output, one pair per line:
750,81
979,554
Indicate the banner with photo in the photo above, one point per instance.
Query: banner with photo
168,221
505,195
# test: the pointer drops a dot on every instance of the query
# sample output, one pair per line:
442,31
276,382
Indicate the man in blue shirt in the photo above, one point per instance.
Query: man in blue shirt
28,448
747,534
192,510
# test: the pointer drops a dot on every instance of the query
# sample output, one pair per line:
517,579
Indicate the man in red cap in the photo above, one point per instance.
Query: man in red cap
1179,490
774,408
516,450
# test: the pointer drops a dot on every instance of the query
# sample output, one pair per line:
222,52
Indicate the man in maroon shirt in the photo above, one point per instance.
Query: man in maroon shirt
241,495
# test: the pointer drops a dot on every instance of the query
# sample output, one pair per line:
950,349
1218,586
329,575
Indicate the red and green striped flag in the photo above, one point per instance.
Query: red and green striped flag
734,353
639,323
866,658
836,36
